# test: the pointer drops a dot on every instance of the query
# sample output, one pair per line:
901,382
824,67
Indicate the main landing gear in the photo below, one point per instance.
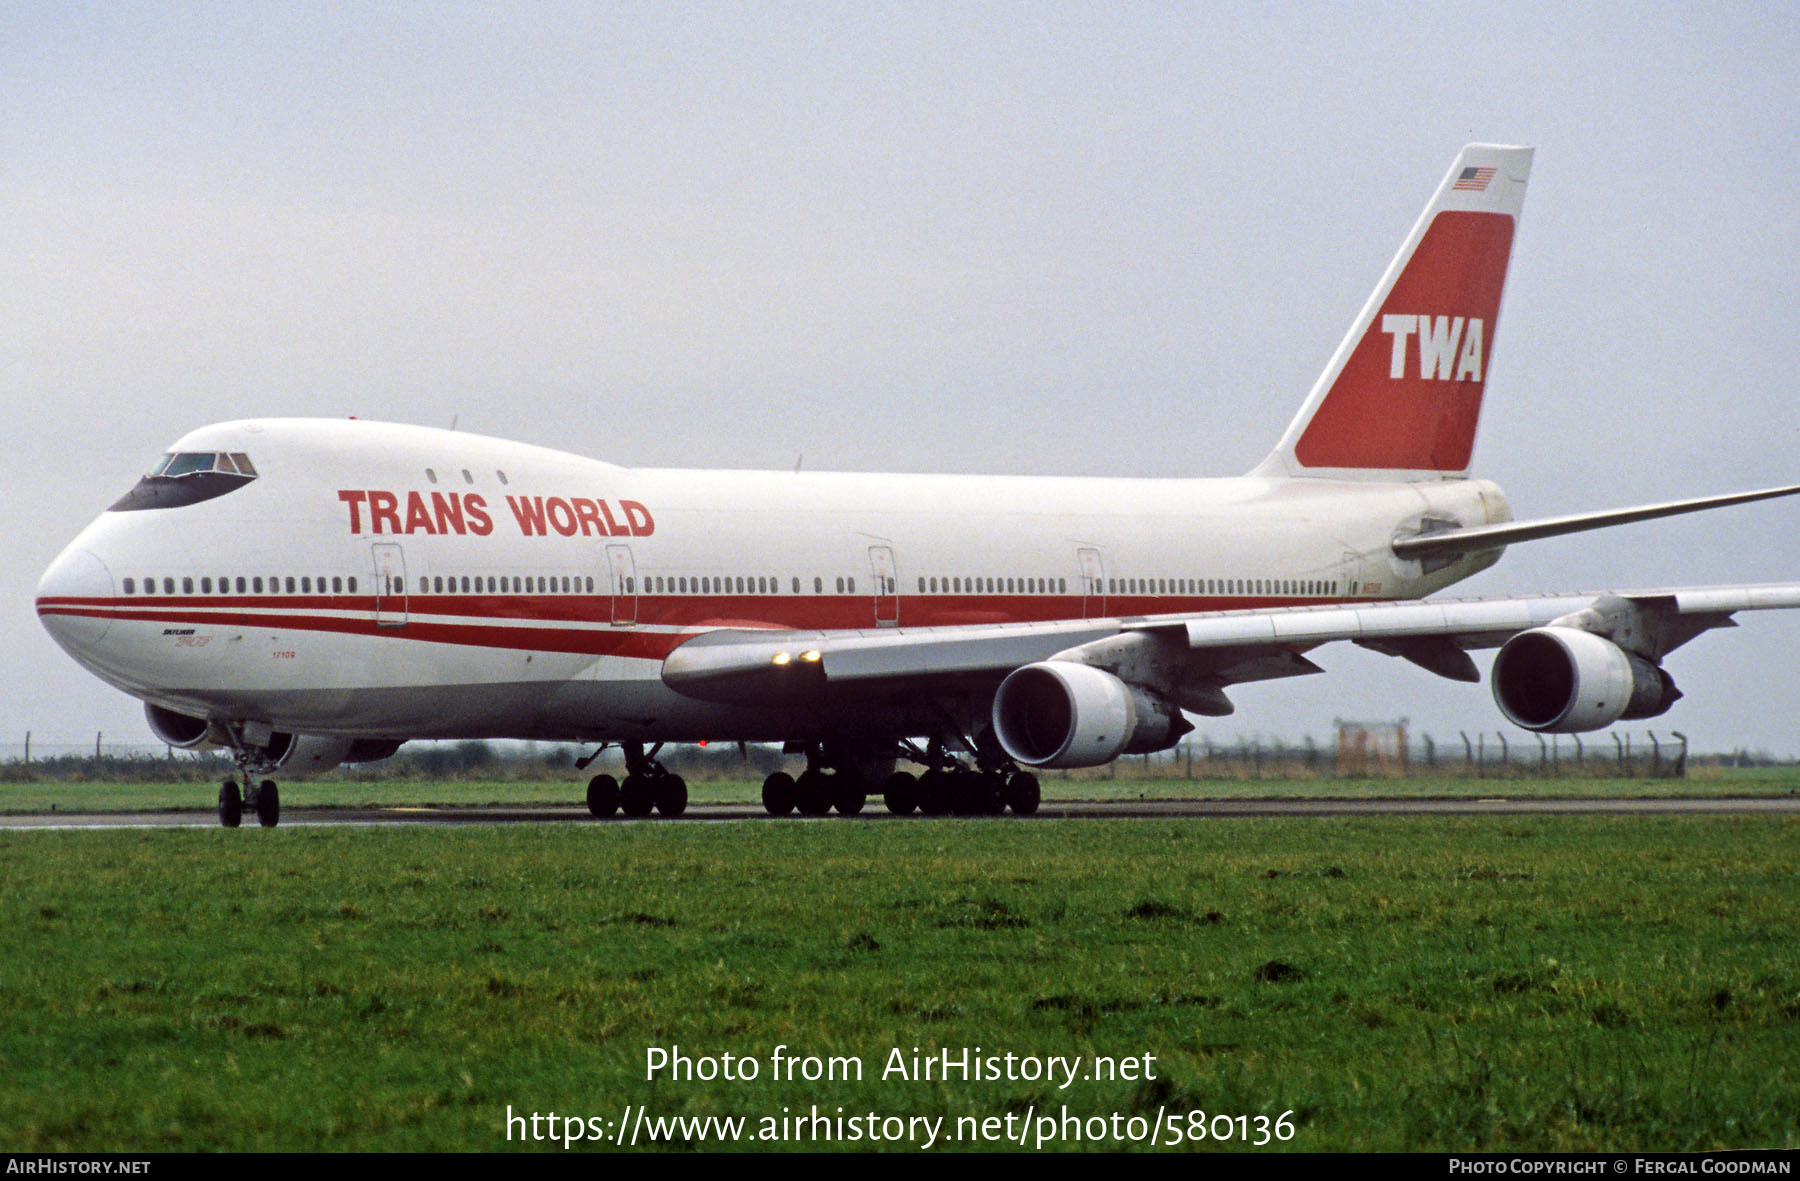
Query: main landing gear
947,787
648,787
262,799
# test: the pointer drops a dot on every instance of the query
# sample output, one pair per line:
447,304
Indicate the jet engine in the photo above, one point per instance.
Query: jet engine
295,754
1061,714
181,731
311,754
1569,681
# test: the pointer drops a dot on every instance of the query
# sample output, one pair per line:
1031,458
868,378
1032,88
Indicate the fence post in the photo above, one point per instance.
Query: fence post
1655,756
1619,752
28,748
1505,755
96,746
1681,759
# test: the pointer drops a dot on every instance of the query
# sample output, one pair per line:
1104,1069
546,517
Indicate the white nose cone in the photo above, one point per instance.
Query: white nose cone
75,601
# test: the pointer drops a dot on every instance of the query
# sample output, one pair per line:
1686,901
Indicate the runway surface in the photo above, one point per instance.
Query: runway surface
1051,810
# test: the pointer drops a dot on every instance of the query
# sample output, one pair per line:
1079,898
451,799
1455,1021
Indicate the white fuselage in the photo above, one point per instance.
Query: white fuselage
386,581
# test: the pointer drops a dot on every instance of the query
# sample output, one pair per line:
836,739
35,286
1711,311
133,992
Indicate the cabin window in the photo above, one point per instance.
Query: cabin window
467,478
818,585
130,587
206,586
502,476
351,584
431,475
337,585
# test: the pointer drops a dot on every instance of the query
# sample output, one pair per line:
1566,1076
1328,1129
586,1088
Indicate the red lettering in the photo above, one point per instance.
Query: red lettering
529,513
418,518
564,525
588,513
449,512
480,524
382,507
612,526
354,498
639,516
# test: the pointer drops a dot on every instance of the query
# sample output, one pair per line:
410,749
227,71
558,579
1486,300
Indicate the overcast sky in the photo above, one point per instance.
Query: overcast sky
1096,239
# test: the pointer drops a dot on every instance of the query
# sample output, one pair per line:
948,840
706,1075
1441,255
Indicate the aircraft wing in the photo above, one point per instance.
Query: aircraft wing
1197,654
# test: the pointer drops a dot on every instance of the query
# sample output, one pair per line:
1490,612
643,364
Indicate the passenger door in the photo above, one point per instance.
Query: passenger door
390,584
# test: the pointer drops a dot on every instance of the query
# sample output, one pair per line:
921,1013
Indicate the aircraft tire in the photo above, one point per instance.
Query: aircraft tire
847,793
671,795
778,794
268,804
813,793
637,797
968,793
934,793
901,793
1023,793
603,796
231,804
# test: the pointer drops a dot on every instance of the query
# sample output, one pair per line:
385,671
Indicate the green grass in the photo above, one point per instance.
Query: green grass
1585,983
17,798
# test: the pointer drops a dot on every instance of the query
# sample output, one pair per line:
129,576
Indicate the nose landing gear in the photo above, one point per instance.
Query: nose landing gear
262,799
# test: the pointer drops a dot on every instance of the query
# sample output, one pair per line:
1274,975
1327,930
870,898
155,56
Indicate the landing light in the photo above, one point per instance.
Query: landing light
811,656
781,658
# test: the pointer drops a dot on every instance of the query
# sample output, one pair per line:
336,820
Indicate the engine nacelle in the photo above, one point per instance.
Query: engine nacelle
306,754
1569,681
1061,714
181,730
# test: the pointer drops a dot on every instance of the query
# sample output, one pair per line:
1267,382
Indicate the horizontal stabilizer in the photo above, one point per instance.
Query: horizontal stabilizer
1485,537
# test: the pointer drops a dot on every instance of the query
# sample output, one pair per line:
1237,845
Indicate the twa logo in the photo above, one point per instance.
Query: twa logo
1450,347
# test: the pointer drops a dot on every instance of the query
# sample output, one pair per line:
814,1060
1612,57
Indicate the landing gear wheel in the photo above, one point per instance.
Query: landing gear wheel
779,794
901,793
813,792
993,793
603,796
968,793
671,795
934,793
848,796
1022,794
231,804
637,797
268,804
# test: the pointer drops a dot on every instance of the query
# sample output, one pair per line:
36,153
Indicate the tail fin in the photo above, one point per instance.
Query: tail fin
1402,395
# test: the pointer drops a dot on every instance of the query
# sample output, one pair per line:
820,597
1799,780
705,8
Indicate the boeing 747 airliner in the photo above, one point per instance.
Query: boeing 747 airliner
305,592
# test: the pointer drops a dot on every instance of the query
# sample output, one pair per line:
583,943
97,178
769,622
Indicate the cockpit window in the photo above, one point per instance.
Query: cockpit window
188,477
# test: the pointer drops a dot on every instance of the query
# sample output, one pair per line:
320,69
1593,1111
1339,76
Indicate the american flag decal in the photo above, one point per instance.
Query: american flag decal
1474,180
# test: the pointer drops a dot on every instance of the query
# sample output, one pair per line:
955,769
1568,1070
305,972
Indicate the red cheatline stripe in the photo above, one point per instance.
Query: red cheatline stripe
532,624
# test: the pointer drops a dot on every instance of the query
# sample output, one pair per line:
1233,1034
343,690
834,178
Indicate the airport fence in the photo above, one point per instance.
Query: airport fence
1357,751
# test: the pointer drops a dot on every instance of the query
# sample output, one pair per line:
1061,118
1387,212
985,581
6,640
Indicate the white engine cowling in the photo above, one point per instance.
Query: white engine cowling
1569,681
1061,714
180,730
306,754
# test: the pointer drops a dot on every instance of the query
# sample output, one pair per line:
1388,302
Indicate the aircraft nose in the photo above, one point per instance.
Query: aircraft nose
74,600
